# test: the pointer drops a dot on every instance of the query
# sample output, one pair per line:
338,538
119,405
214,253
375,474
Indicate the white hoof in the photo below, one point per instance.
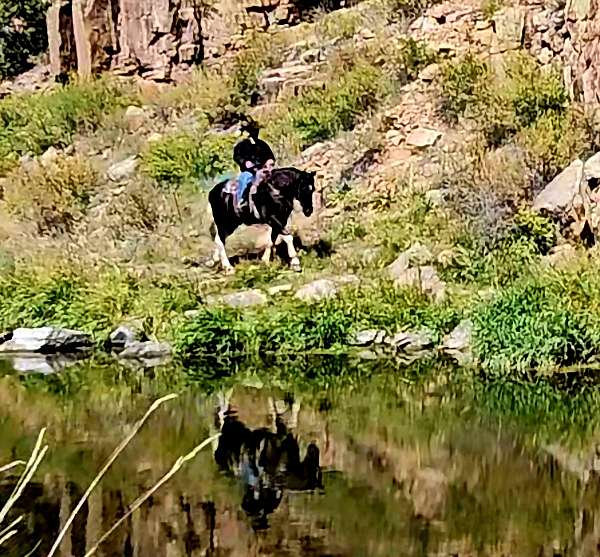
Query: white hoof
229,271
295,266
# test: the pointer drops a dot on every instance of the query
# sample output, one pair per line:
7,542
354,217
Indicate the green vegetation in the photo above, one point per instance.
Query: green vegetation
53,195
321,113
185,157
31,123
22,34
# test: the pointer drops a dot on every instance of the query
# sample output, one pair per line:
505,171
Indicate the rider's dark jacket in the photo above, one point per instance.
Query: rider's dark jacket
256,151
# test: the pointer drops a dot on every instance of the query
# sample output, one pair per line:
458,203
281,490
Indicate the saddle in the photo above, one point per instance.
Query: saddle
245,205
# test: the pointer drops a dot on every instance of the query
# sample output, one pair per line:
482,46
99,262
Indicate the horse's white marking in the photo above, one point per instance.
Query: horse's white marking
289,242
221,255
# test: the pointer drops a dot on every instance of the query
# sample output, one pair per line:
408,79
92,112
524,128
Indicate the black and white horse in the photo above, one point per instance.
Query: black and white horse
274,203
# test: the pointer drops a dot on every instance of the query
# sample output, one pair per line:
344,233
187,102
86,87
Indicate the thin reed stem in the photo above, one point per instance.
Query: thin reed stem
107,465
140,500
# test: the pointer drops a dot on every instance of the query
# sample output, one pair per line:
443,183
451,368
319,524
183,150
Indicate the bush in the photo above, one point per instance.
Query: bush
183,157
320,114
501,107
462,83
548,320
406,9
22,34
299,328
553,142
31,123
54,195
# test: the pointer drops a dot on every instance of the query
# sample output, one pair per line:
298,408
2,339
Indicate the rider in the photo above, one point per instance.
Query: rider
254,157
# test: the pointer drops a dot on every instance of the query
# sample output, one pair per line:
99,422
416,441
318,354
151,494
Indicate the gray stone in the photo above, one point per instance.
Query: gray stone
47,158
134,118
147,350
123,170
317,290
46,340
592,167
279,289
411,343
430,72
243,299
457,344
423,137
368,337
428,492
125,335
416,254
347,280
559,194
425,279
510,26
560,256
369,355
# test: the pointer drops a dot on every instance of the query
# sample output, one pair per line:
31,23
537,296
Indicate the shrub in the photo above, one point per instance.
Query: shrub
553,142
31,123
320,114
22,34
183,157
462,83
406,9
53,195
547,320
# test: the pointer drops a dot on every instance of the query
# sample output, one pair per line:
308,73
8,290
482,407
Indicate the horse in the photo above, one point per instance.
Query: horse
274,203
266,460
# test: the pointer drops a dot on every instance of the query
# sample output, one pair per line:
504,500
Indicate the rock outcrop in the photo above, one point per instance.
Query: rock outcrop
144,37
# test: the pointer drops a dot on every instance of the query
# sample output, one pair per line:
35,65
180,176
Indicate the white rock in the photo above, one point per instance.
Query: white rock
123,170
48,340
317,290
423,137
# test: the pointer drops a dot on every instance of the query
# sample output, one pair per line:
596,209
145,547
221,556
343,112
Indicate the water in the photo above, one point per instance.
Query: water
410,466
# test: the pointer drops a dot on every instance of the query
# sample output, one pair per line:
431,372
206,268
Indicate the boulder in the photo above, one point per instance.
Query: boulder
123,170
425,278
367,337
143,37
416,254
317,290
124,336
457,344
509,25
419,342
148,350
135,118
558,195
45,340
423,137
428,493
242,299
279,289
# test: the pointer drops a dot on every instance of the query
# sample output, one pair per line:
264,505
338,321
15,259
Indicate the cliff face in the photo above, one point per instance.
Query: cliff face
156,38
569,35
146,37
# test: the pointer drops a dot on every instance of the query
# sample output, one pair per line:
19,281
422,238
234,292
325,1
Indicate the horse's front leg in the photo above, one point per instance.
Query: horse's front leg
288,239
220,254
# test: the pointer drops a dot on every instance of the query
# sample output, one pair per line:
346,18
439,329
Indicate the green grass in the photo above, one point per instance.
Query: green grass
186,157
31,123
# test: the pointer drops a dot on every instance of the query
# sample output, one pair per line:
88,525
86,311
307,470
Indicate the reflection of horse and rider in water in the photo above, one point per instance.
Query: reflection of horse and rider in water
261,194
266,461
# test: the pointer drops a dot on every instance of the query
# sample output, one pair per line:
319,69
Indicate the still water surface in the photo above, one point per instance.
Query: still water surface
398,464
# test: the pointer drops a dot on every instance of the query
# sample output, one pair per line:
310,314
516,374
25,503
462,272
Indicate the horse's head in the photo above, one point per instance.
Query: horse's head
306,189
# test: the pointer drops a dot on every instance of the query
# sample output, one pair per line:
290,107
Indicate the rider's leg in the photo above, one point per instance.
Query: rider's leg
244,180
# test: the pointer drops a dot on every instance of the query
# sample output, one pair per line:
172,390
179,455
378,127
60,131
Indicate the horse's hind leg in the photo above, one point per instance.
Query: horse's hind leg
266,257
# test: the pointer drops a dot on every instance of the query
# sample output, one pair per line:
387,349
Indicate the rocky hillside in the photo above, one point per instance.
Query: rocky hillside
439,135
